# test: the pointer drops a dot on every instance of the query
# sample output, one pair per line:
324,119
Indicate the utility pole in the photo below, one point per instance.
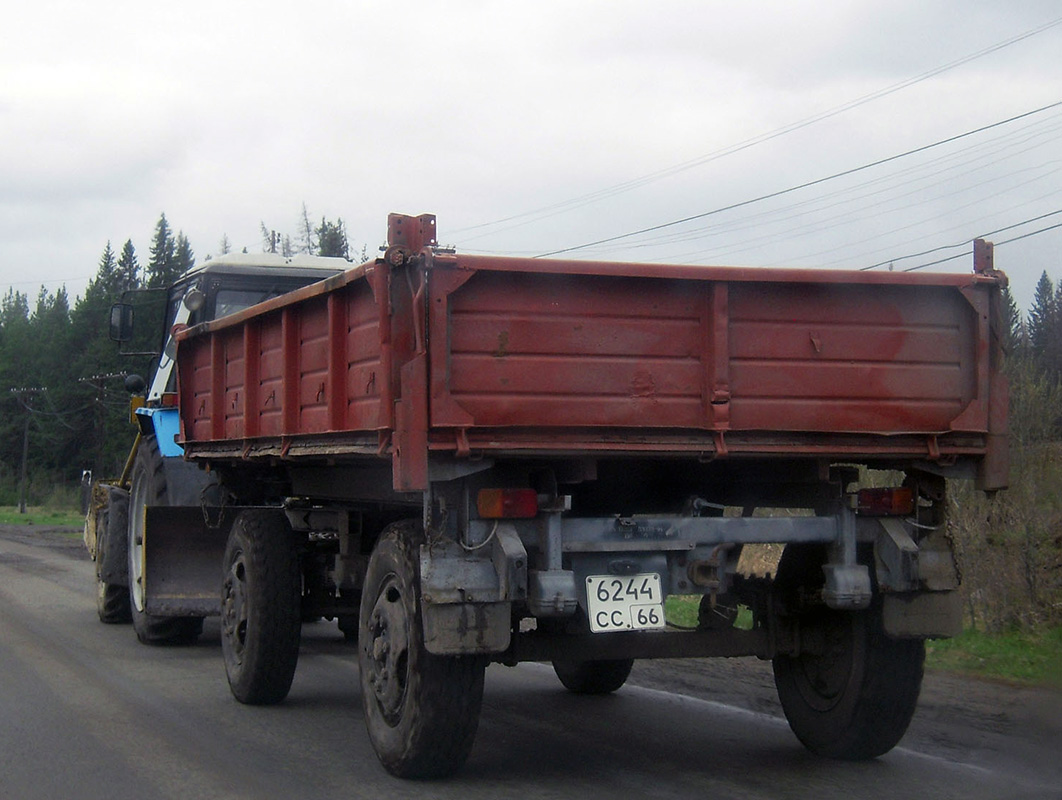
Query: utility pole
22,474
97,383
23,394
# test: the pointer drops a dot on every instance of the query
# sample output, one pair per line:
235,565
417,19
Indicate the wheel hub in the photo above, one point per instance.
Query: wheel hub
234,606
388,650
825,670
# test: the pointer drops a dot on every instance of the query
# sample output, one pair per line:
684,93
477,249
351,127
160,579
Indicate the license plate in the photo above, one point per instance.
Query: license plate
624,602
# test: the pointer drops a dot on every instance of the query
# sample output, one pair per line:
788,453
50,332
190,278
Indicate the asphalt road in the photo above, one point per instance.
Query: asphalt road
87,712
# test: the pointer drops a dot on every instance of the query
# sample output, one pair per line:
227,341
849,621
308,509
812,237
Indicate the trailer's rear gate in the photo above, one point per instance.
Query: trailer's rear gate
550,350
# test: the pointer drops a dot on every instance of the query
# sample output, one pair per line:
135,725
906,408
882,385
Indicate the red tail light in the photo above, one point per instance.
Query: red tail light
892,502
507,503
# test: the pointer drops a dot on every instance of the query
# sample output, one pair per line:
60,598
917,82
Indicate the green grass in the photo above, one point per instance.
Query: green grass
1029,657
42,517
1032,658
681,611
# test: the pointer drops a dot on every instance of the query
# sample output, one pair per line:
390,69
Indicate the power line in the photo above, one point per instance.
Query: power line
1029,235
975,203
933,180
967,253
601,194
801,186
984,235
43,281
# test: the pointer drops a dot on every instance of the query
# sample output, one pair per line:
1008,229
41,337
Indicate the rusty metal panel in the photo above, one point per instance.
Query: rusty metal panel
884,359
410,451
234,371
270,376
303,368
337,361
365,373
252,396
217,389
573,350
568,350
311,372
195,388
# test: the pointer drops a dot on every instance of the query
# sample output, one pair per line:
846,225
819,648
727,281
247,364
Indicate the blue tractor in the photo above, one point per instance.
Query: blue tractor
155,474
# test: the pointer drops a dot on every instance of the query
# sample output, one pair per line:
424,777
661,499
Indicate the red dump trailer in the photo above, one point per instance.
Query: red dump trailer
470,459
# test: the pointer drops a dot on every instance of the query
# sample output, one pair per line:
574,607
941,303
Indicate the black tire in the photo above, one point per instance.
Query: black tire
421,710
112,603
260,607
149,489
112,599
593,677
851,692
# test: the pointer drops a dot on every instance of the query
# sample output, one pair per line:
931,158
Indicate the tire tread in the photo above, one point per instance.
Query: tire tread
274,584
438,726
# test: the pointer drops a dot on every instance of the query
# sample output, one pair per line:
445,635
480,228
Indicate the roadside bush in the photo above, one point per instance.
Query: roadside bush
1010,546
42,491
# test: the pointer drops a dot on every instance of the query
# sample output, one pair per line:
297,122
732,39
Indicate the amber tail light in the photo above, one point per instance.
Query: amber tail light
892,502
507,503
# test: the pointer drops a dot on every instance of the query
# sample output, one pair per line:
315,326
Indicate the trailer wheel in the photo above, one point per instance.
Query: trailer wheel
851,692
593,677
421,710
260,607
149,489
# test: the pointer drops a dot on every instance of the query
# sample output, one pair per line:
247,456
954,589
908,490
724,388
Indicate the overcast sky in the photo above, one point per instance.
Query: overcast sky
528,128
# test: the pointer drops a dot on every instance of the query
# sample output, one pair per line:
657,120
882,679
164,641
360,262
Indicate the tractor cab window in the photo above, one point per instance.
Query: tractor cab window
229,301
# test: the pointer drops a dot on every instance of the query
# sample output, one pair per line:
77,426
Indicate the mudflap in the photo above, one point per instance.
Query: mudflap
183,560
922,615
466,597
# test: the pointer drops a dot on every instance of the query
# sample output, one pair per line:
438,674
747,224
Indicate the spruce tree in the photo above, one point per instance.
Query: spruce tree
332,239
184,258
1042,317
107,278
128,267
1013,326
16,345
307,240
161,269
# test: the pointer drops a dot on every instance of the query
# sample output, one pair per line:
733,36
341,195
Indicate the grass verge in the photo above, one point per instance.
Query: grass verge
1029,657
42,517
681,610
1024,657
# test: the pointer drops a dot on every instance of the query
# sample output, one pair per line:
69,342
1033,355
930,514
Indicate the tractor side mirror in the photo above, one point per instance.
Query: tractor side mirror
121,328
